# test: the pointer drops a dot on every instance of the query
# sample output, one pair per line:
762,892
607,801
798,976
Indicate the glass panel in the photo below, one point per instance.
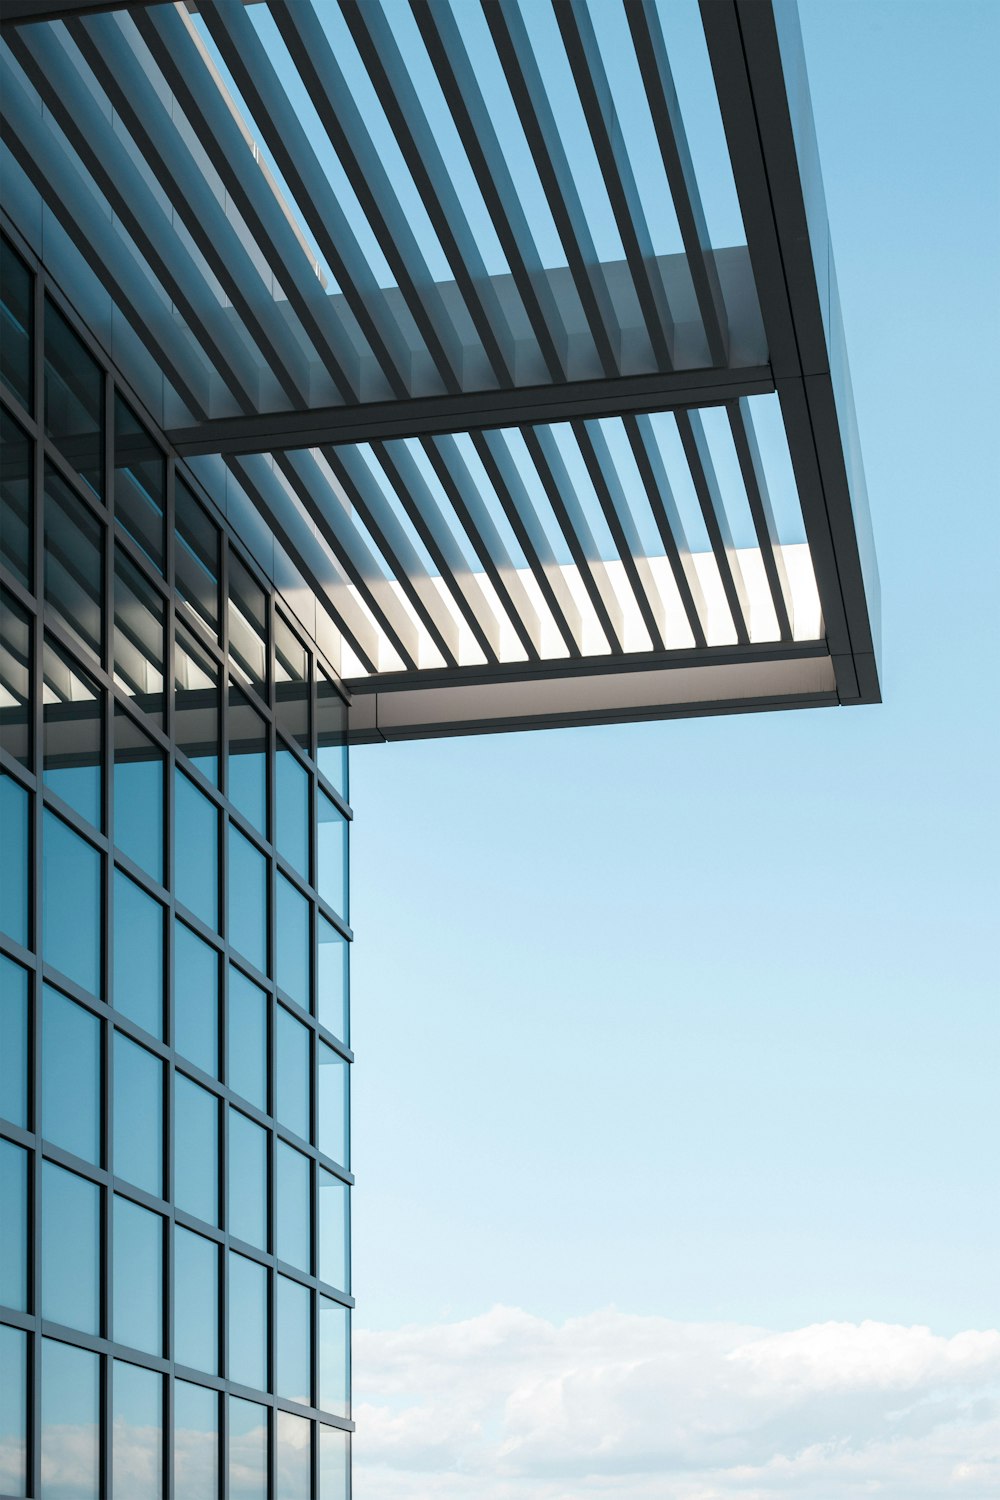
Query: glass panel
291,684
247,1180
331,753
16,323
14,887
196,1442
74,563
293,1460
71,1411
293,1216
331,856
334,1358
138,1116
73,709
15,679
137,1432
196,1150
247,769
334,1463
196,999
138,796
138,950
196,556
16,529
196,851
247,1064
334,1231
247,1322
291,795
333,1082
13,1411
74,400
13,1226
140,484
14,1052
293,1340
71,1076
247,899
291,928
247,624
71,1249
139,644
196,1301
196,705
333,981
292,1094
247,1450
138,1277
71,896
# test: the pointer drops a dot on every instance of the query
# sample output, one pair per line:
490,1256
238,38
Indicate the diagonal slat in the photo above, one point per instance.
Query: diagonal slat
659,493
706,485
755,482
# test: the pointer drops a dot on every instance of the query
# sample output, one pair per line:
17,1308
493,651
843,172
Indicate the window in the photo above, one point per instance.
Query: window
71,878
334,1231
14,1052
196,705
247,625
138,1116
196,999
74,400
16,325
247,1039
15,679
334,1357
333,980
137,1432
138,1279
196,851
292,965
13,1411
247,768
291,684
196,1150
140,484
139,638
13,1225
71,1249
71,1412
16,523
71,1076
247,1322
293,1459
14,888
138,950
331,753
73,710
293,1216
293,1341
74,563
196,1301
293,1103
247,899
247,1180
196,556
247,1450
334,1463
333,1083
138,796
196,1442
331,856
291,793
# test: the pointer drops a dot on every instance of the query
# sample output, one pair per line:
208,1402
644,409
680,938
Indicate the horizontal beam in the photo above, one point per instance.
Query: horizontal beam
427,416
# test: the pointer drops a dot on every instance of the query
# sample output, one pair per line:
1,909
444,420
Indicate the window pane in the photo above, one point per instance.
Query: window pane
14,1052
138,1116
292,1093
16,325
247,1450
14,887
247,624
196,704
140,484
334,1357
292,941
293,1338
247,1180
74,562
13,1411
247,899
247,760
293,1460
73,735
333,981
139,643
71,874
138,1277
196,1301
333,1081
293,1216
247,1070
196,851
247,1322
137,1432
196,1442
196,1150
138,796
74,399
15,679
334,1231
196,556
331,753
16,530
291,792
71,1249
331,856
196,999
334,1463
138,949
13,1226
291,684
71,1410
71,1076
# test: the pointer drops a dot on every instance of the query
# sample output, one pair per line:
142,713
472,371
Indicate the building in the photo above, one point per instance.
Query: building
367,373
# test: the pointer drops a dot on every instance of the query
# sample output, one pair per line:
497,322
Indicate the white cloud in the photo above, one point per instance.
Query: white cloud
616,1407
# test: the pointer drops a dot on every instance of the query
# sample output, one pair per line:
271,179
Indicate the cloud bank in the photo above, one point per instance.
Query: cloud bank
507,1406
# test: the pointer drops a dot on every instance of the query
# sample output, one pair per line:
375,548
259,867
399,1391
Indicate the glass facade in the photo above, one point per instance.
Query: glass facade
174,1013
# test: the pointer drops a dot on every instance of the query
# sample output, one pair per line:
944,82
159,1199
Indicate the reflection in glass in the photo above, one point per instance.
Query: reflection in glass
291,795
71,897
139,643
138,1116
15,679
196,1301
247,1322
137,1432
291,684
74,562
196,999
16,523
196,1150
247,769
14,887
334,1463
13,1411
331,754
13,1225
292,941
140,484
71,1249
71,1076
138,1277
71,1409
247,1067
73,709
247,1450
247,899
196,705
16,325
196,556
74,400
196,1442
247,625
293,1341
196,851
331,856
293,1217
14,1052
138,796
293,1459
292,1099
333,981
333,1083
334,1231
138,956
247,1180
334,1357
